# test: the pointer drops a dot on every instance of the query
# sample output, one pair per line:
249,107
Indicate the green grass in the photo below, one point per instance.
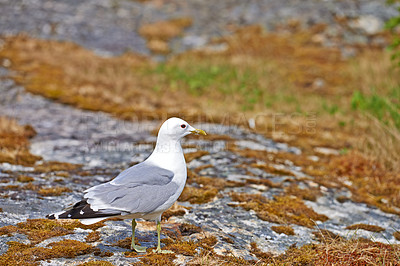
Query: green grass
385,108
203,78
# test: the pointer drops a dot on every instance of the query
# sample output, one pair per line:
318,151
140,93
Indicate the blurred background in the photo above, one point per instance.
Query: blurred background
320,76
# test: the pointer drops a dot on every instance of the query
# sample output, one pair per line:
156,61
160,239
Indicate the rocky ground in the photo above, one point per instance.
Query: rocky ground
111,26
105,146
101,146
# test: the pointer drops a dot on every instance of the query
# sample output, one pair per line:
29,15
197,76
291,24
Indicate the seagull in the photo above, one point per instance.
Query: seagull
144,190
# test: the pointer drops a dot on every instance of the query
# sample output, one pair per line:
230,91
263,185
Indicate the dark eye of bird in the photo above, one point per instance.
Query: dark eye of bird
183,126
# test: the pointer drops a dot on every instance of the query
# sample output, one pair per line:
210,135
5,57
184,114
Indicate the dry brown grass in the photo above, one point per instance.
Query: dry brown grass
382,143
368,227
282,209
116,85
21,254
340,252
14,143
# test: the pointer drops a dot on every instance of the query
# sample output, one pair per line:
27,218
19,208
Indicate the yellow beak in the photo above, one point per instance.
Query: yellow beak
199,131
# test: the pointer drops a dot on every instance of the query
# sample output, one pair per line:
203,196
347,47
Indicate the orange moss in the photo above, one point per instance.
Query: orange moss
371,183
336,252
342,199
38,230
53,191
283,229
190,156
198,195
25,179
263,181
189,248
188,229
21,254
169,213
397,235
209,187
53,166
310,194
368,227
198,169
282,209
273,170
94,83
258,253
158,259
14,143
97,263
125,243
93,237
184,248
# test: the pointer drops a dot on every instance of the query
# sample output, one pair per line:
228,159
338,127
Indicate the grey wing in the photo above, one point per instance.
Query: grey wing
134,192
144,173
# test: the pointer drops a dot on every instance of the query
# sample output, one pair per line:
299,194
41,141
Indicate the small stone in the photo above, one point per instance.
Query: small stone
369,24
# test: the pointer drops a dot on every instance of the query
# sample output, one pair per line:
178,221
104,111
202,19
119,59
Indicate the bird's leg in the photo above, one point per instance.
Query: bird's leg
133,245
159,250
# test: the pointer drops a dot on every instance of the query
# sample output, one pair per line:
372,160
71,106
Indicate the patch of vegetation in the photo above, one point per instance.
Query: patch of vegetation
38,230
174,242
368,227
273,170
25,179
273,80
53,166
202,189
198,195
371,183
305,194
190,156
393,24
397,235
158,259
21,254
159,33
325,236
14,143
97,263
93,237
281,210
337,252
283,229
53,191
170,213
385,109
43,191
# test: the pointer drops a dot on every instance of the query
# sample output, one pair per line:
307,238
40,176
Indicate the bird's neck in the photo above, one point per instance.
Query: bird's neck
167,153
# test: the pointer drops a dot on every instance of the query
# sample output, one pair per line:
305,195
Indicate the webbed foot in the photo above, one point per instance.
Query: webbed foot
160,251
138,249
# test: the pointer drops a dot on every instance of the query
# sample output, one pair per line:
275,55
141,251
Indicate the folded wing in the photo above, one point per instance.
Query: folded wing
139,189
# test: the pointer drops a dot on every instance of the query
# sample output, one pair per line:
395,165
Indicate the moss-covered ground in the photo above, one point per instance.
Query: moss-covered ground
293,89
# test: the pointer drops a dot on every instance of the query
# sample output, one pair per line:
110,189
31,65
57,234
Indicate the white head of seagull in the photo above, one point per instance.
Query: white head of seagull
144,190
174,129
168,147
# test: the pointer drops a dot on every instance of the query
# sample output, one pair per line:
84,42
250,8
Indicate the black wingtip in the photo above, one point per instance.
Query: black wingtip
50,216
